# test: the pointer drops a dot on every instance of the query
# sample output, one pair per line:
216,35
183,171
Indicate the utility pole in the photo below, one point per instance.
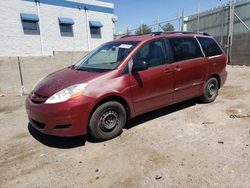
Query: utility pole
230,30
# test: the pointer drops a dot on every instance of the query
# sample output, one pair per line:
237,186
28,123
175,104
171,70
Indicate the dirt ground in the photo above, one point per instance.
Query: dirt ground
184,145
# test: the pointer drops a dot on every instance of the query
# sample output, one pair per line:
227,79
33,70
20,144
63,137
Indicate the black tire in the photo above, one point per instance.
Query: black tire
107,121
210,90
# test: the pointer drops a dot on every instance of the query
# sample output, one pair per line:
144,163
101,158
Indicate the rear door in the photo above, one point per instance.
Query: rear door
216,59
152,88
189,66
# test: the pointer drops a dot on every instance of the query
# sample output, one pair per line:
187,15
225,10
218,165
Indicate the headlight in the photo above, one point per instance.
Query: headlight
66,94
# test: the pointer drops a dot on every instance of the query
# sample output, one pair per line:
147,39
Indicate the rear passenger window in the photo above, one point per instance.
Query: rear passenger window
153,53
185,48
210,47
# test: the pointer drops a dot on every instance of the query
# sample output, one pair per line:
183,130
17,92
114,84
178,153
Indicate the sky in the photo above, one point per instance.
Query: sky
132,13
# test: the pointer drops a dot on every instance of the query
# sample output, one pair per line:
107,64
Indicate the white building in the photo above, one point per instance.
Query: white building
40,27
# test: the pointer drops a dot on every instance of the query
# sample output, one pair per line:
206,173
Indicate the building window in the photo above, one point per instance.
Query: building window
95,32
95,29
30,23
66,27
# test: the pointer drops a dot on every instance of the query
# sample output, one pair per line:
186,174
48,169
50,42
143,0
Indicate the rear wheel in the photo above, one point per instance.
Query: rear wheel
107,121
210,90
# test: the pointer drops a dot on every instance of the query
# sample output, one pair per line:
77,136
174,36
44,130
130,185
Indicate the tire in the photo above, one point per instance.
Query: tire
107,121
210,90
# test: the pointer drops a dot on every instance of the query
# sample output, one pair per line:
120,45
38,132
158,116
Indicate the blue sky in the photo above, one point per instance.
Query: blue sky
132,13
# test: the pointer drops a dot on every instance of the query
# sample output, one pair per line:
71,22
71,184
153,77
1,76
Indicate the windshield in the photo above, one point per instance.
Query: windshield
107,57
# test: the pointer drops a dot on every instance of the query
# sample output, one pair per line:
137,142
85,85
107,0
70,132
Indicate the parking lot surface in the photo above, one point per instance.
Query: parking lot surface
185,145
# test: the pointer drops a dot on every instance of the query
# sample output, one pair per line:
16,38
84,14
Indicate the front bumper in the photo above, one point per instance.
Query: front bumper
68,118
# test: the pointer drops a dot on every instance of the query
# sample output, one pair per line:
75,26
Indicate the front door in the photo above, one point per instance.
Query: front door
152,88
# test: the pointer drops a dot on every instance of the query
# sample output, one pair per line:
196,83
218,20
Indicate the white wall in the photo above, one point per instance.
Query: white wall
13,41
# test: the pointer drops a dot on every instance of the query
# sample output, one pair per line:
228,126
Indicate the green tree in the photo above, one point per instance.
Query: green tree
143,29
168,27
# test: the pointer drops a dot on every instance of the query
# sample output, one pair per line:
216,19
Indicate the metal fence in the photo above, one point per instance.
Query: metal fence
157,25
216,21
227,23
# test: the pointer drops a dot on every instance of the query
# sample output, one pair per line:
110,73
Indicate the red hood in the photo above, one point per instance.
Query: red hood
62,79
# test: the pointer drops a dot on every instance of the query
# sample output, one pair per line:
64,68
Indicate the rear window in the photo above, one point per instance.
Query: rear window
185,48
210,47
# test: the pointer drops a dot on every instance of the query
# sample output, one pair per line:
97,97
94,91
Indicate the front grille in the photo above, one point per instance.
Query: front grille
37,99
38,124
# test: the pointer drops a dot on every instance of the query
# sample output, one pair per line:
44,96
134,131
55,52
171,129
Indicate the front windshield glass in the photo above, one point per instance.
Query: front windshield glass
106,57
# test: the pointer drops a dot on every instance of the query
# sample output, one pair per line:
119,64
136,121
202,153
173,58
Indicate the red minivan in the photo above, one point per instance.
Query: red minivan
125,78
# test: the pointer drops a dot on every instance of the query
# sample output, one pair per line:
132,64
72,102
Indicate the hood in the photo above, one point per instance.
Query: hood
62,79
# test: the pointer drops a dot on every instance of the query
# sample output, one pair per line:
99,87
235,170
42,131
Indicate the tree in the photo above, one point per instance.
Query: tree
168,27
143,29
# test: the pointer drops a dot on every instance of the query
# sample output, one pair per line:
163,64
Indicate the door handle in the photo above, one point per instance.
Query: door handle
168,70
177,68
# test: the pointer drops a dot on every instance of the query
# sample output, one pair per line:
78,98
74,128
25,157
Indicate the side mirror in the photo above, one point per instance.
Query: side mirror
139,66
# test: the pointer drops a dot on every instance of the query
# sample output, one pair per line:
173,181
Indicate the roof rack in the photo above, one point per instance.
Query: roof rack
171,32
186,32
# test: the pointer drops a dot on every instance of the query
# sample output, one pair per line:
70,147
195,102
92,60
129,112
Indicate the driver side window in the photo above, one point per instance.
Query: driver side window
153,53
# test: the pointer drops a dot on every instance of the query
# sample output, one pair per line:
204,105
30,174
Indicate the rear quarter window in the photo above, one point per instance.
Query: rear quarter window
209,46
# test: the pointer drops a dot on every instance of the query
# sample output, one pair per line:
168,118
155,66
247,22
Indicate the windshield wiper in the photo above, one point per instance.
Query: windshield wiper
83,69
94,69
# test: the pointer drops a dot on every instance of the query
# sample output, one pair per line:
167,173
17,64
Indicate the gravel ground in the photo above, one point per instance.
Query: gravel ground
184,145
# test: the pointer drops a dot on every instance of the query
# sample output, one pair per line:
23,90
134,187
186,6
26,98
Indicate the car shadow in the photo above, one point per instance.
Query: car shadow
72,142
160,112
57,142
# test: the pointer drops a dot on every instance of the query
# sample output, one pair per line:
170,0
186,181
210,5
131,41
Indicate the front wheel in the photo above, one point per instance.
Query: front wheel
107,121
210,90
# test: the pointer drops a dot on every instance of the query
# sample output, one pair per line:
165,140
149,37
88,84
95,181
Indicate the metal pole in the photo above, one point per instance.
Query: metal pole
198,19
158,23
21,75
87,28
40,28
179,20
182,16
141,28
242,21
230,30
222,27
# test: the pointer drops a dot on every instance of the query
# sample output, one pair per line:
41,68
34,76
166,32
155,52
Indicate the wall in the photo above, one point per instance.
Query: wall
12,39
33,68
13,42
241,49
